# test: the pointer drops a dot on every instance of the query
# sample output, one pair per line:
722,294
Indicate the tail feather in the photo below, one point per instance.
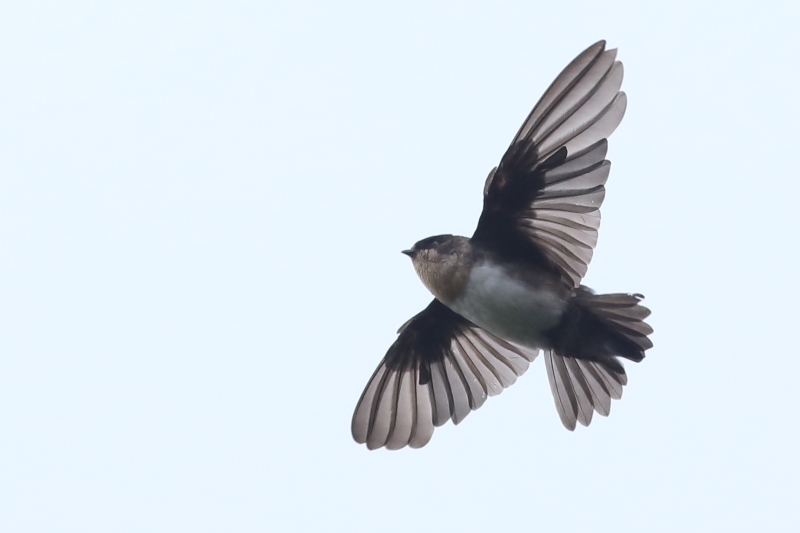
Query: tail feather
583,368
623,313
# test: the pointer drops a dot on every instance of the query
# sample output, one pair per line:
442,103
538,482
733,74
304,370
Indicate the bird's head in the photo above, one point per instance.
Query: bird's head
442,263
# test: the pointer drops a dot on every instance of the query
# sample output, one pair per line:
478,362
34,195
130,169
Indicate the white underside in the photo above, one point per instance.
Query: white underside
508,307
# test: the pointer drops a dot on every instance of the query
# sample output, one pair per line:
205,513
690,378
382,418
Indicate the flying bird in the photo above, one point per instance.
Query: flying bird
514,288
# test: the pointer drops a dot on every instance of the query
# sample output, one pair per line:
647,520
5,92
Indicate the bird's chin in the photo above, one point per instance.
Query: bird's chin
442,282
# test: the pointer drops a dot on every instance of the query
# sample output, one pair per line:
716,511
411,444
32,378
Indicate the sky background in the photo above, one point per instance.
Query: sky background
202,206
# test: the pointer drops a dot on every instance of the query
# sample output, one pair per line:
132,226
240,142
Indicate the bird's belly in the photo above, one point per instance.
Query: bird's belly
509,307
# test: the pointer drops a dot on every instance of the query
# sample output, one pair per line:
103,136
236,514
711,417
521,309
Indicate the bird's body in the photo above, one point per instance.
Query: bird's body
513,288
516,301
512,307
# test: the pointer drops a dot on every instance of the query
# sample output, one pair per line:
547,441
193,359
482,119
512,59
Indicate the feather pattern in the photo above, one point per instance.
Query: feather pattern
583,364
624,313
442,367
546,194
581,387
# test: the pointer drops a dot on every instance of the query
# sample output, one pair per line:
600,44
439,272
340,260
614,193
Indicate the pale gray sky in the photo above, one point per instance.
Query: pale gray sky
201,214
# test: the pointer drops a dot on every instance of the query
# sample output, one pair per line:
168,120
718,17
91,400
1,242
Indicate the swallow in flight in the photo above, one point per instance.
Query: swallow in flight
514,288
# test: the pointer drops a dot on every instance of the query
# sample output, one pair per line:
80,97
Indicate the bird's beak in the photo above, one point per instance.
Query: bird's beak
409,253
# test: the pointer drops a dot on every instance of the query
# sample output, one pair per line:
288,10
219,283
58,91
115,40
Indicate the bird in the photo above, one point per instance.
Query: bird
513,290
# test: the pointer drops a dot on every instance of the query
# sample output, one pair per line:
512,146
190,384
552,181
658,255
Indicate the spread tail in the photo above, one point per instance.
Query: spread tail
582,363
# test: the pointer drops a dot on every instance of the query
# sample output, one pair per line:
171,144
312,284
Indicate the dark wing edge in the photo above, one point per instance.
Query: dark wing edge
550,184
441,367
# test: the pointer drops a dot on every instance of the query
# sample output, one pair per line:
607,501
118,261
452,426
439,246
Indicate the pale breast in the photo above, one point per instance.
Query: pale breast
516,309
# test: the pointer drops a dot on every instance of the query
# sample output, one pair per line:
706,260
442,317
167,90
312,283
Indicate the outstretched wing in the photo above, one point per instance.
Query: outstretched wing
440,368
542,203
